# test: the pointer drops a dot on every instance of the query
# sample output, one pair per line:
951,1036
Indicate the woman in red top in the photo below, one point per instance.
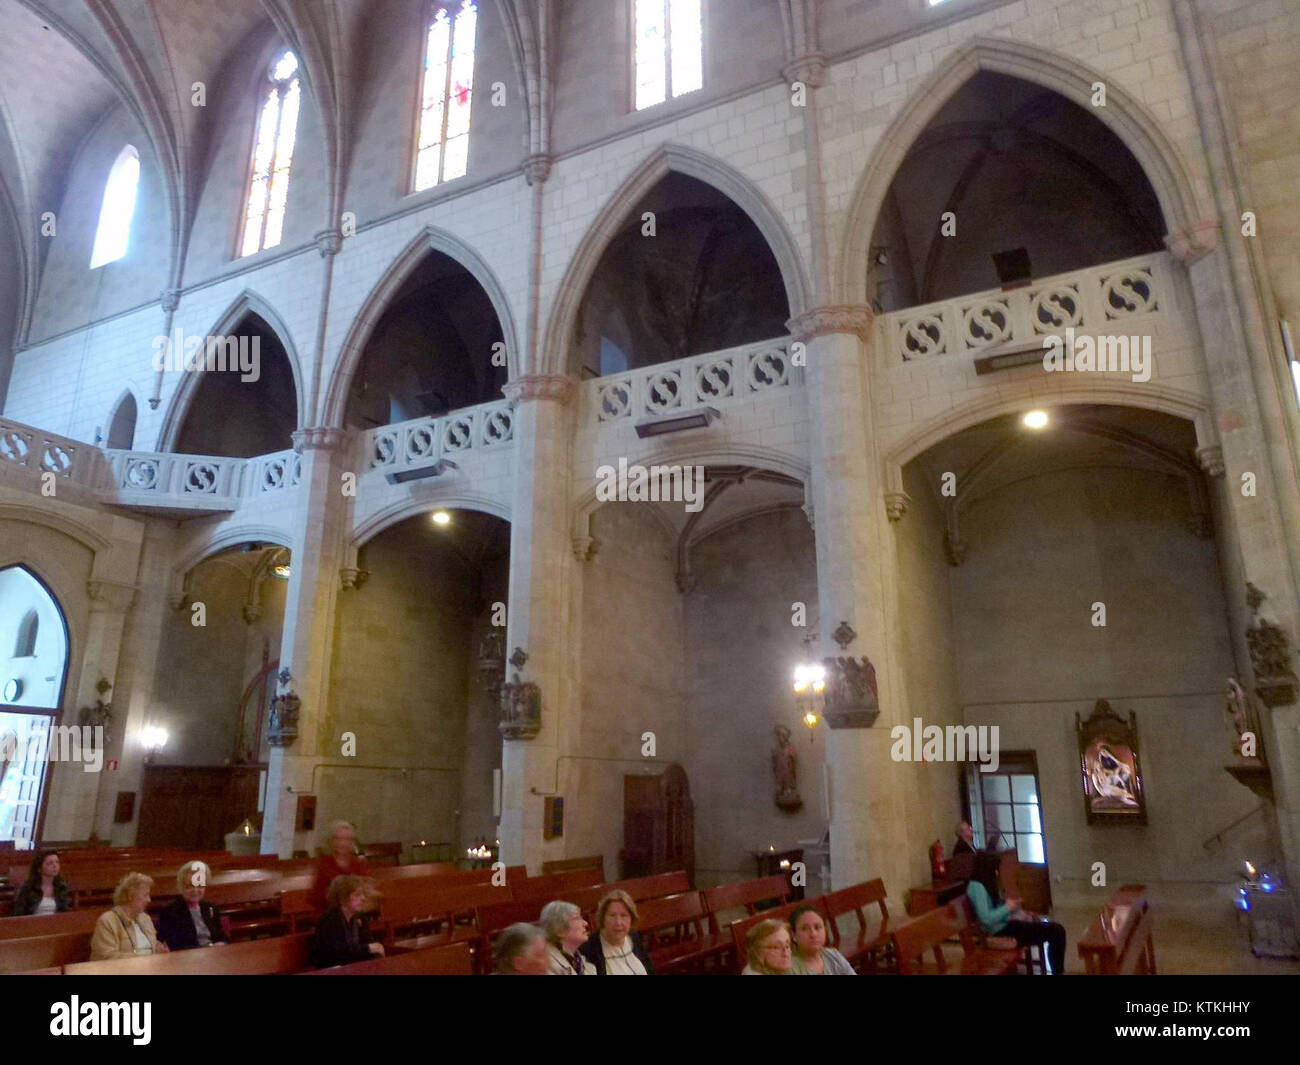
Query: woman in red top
343,860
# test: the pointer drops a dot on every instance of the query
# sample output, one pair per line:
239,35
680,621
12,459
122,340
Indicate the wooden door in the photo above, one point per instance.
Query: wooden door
195,806
658,824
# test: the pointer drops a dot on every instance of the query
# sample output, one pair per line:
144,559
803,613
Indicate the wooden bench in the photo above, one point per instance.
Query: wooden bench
49,924
382,854
740,929
982,954
1119,940
547,888
440,910
454,960
285,954
414,872
869,943
42,952
569,865
926,934
675,931
746,895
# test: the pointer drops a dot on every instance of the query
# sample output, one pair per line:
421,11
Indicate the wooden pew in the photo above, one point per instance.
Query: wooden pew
740,929
453,960
984,955
914,939
675,931
42,952
382,854
868,942
285,954
745,894
546,888
414,872
1119,940
569,865
47,924
437,910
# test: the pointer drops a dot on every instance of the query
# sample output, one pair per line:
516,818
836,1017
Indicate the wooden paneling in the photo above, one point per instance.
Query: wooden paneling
195,806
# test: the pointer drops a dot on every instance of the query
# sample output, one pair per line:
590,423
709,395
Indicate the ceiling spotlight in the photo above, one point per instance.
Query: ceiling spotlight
1035,419
441,517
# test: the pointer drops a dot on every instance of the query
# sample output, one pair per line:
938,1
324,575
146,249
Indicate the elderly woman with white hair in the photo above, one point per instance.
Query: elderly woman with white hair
189,920
126,930
566,931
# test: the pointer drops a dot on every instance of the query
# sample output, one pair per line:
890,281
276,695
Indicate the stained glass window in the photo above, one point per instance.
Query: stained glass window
442,149
277,125
113,233
669,49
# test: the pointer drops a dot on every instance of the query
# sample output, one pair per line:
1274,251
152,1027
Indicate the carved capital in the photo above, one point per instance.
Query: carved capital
251,612
351,578
841,318
539,386
1211,460
537,168
170,298
318,438
896,505
110,595
584,548
328,242
1193,242
810,69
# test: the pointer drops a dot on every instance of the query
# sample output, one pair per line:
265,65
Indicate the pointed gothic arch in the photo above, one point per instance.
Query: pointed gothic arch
670,158
1123,114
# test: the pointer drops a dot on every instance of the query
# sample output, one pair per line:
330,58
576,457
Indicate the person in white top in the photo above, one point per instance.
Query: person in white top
616,950
565,932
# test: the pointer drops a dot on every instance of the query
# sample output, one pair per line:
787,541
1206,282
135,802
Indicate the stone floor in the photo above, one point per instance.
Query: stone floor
1197,930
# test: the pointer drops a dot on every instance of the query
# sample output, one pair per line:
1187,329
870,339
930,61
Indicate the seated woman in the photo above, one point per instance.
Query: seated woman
189,920
126,930
44,891
566,931
768,947
341,934
614,949
1008,918
812,957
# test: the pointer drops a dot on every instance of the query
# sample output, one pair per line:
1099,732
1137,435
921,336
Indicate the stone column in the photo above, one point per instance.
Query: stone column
856,570
319,534
132,694
1261,521
169,300
540,559
73,791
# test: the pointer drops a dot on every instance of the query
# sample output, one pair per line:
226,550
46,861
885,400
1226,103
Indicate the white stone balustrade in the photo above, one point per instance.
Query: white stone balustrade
1094,301
423,441
40,452
197,482
716,379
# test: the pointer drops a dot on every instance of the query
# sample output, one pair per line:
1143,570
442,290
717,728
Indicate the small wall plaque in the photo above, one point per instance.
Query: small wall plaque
553,818
125,808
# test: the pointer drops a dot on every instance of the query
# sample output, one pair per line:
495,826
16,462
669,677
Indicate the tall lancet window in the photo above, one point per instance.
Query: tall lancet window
669,44
277,124
442,148
113,233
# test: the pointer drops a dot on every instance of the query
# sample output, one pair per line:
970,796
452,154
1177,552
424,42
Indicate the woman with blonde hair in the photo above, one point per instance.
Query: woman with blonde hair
614,949
190,920
343,859
126,930
769,949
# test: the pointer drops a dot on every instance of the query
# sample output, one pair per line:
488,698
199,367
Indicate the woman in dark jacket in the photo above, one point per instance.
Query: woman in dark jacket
614,949
341,934
44,891
189,920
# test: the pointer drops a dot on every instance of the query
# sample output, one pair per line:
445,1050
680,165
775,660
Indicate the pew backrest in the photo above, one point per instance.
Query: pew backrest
546,888
456,959
410,872
42,952
746,894
47,924
284,954
921,935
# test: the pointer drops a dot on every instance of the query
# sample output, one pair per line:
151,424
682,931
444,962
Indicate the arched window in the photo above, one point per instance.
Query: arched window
442,146
121,430
28,629
113,233
277,125
669,50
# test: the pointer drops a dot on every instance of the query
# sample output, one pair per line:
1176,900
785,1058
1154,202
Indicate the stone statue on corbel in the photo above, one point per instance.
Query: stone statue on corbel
1270,655
852,692
521,703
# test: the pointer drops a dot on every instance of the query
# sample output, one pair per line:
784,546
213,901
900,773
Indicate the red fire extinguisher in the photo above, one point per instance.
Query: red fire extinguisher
938,867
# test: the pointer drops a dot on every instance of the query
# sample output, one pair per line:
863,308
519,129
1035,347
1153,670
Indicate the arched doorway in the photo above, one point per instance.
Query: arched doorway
34,653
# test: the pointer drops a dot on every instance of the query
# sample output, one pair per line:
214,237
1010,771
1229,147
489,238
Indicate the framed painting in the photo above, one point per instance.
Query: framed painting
1111,767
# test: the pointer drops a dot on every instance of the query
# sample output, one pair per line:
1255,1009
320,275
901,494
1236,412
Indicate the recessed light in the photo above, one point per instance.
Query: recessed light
1035,419
441,517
